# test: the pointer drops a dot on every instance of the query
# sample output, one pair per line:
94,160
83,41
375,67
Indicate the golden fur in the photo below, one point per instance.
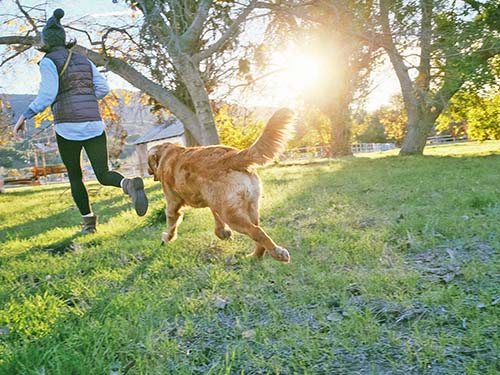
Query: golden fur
223,179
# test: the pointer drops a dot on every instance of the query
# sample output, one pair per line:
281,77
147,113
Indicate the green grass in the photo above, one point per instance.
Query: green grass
395,270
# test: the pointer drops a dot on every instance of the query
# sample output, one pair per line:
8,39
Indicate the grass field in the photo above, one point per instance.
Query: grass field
395,270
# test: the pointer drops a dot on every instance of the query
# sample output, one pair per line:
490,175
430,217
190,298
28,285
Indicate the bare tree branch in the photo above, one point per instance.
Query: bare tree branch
195,29
225,36
19,39
119,30
13,56
257,79
28,17
395,57
93,43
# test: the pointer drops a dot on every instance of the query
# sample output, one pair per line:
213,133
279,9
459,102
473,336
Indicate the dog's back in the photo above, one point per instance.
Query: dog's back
209,161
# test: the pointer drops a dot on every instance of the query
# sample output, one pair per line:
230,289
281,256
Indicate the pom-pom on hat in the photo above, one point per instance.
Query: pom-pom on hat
53,33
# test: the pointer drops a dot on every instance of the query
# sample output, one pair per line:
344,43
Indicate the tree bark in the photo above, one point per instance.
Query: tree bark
340,144
191,77
340,129
418,128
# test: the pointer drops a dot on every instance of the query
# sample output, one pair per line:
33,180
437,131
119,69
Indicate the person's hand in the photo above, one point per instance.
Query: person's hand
20,128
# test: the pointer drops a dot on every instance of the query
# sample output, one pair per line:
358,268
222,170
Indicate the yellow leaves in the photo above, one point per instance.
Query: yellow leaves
13,22
4,105
156,107
238,132
46,115
144,99
34,60
127,96
314,129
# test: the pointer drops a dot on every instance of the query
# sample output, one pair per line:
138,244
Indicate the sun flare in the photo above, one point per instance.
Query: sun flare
303,72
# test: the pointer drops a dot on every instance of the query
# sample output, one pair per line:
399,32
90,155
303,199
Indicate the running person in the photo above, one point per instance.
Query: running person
71,85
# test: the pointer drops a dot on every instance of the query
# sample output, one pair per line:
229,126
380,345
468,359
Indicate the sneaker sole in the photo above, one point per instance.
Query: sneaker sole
141,201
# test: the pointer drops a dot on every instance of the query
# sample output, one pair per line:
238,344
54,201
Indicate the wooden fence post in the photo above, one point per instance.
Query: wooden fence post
1,179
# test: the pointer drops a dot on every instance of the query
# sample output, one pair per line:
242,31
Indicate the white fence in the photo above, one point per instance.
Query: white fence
358,148
438,139
322,151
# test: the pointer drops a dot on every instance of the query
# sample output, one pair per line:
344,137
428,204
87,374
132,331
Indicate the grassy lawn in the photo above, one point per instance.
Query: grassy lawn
395,270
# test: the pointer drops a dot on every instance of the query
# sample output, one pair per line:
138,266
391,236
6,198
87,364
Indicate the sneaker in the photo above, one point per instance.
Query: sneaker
134,188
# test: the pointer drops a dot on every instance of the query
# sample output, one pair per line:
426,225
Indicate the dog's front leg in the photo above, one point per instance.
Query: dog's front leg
174,218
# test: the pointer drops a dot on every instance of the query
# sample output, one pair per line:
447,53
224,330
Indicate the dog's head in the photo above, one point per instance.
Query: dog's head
154,161
156,153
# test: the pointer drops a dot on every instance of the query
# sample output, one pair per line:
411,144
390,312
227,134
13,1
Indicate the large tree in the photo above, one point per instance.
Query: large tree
176,52
436,47
330,29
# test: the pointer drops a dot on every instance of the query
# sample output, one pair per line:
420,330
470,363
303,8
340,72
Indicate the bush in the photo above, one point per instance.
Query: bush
236,131
10,157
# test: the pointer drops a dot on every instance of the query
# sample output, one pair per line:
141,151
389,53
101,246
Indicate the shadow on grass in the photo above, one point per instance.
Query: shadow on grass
70,217
27,191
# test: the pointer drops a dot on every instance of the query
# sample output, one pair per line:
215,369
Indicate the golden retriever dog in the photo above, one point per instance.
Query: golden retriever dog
222,178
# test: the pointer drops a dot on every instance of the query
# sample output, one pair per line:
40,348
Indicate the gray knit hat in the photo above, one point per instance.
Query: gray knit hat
53,34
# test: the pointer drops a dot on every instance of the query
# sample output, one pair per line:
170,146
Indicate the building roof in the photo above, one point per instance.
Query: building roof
172,128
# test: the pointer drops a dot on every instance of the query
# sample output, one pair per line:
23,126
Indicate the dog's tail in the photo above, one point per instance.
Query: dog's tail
271,142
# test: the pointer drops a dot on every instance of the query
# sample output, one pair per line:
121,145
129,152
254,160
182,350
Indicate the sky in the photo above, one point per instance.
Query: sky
22,77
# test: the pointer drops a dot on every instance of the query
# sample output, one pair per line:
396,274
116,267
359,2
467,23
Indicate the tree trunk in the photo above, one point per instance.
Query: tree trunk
190,140
196,87
419,126
340,123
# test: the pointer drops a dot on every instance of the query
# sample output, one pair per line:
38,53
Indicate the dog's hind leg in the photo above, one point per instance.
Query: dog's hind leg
174,218
253,213
222,230
241,222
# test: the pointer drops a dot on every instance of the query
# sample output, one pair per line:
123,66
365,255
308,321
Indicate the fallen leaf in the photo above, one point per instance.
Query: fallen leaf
220,302
448,277
248,334
334,317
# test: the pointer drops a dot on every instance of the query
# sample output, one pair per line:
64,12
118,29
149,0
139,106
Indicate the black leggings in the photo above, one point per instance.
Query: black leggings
97,152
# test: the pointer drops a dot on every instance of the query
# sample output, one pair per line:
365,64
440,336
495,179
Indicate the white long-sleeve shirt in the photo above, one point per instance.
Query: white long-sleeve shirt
47,93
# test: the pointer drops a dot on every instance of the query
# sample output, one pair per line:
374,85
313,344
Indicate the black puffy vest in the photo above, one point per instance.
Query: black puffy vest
75,100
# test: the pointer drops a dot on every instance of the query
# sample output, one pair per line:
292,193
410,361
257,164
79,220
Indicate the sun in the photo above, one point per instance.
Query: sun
303,71
294,74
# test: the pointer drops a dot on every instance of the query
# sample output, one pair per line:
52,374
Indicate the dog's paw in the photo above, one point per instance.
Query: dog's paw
280,254
165,237
224,233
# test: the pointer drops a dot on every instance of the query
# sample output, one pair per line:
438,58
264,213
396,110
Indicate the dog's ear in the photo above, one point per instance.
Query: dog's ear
153,162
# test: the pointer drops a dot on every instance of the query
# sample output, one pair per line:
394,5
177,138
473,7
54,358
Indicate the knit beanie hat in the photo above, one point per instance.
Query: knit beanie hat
53,34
